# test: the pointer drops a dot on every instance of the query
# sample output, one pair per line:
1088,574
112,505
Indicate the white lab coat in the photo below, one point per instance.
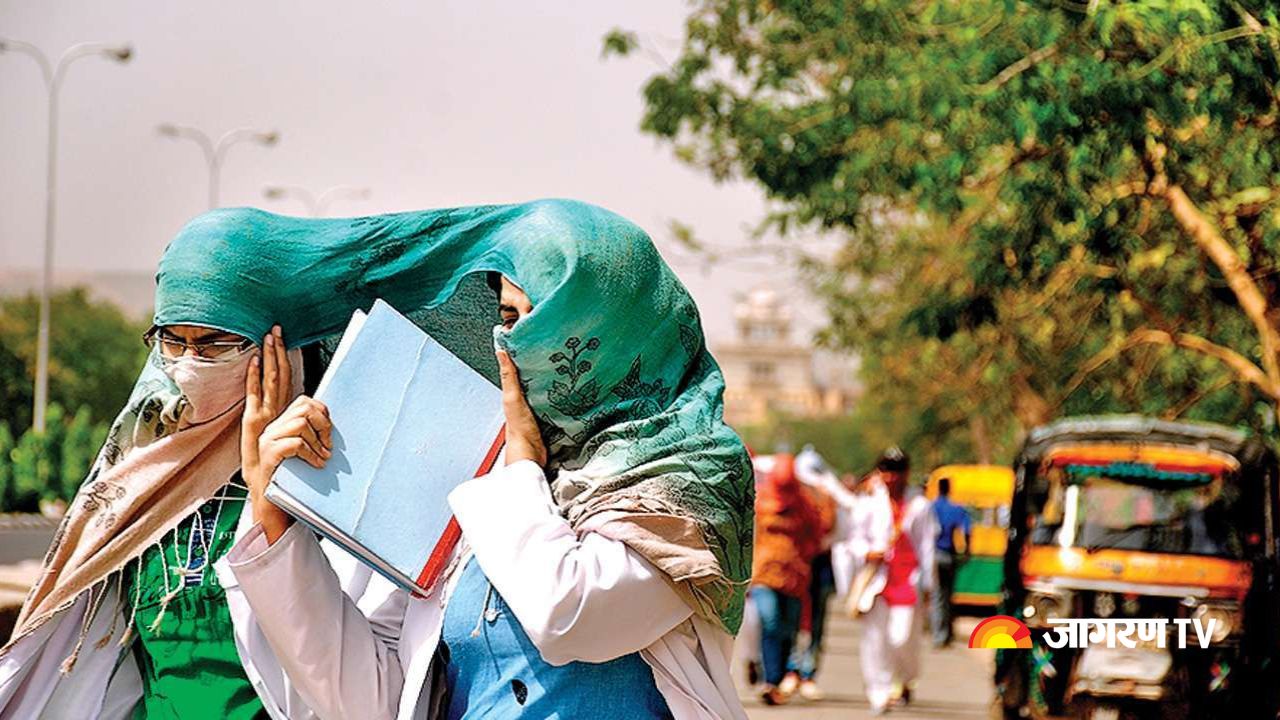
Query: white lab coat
579,596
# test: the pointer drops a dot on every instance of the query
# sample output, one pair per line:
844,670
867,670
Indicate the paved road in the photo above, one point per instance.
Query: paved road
955,683
24,537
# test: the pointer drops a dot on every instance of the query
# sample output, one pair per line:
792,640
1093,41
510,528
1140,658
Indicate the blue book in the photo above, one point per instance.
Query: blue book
410,423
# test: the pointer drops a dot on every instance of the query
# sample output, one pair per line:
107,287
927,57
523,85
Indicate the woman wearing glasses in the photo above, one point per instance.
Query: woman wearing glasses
184,646
176,341
128,618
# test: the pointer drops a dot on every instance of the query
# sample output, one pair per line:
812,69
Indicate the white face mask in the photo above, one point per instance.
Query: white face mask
211,386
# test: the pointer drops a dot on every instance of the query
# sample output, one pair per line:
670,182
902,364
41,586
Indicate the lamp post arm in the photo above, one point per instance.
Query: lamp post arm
33,52
328,196
201,139
229,138
301,194
195,135
73,53
220,148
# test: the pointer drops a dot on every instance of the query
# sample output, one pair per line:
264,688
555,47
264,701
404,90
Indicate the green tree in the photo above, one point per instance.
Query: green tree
35,466
842,442
48,465
79,449
1050,207
6,467
95,353
15,389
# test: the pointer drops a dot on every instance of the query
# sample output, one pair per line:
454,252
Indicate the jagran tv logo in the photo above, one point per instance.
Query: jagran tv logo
1002,632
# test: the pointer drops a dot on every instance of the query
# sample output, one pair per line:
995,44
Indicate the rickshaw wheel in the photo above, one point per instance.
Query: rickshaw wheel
1010,701
1095,710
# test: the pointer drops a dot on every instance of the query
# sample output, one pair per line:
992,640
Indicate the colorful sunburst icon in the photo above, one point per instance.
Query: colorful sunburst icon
1000,632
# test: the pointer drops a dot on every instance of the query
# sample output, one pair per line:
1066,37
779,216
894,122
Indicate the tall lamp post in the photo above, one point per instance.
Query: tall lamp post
316,204
215,151
53,74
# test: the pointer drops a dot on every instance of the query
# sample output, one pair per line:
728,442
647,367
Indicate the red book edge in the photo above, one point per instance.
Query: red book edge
452,532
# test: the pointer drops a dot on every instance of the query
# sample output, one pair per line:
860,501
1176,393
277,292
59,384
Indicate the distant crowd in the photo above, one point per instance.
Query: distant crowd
873,540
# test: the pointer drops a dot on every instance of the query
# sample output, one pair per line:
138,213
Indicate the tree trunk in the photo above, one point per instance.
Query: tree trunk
1029,406
981,438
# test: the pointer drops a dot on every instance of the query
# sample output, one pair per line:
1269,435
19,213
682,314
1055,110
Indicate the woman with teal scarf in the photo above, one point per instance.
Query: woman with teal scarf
603,564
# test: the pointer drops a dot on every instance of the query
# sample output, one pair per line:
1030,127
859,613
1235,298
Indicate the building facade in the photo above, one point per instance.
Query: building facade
767,373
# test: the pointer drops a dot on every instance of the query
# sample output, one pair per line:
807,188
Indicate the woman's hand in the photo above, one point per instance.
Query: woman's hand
524,440
268,435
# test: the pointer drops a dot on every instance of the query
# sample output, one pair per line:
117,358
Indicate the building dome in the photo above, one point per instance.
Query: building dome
762,305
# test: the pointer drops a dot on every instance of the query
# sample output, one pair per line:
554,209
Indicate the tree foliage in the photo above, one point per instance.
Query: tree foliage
49,465
80,445
94,359
7,492
95,353
1049,207
36,461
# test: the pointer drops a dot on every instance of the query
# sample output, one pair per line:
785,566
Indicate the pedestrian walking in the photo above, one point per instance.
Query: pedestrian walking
821,486
950,520
789,531
896,532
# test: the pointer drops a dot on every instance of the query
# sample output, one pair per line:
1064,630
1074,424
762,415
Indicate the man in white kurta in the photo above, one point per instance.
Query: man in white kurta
895,535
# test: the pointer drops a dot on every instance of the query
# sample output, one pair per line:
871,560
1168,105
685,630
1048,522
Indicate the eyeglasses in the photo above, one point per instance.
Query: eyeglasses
172,346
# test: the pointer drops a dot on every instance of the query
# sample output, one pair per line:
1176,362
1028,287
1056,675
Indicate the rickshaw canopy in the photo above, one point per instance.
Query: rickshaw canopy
979,486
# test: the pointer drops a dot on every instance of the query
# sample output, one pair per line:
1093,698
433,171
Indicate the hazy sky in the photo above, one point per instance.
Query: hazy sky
430,104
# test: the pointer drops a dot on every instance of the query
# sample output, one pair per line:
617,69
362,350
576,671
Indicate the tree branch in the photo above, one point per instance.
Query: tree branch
1193,399
1246,289
1091,365
1195,44
1243,367
1252,23
1018,68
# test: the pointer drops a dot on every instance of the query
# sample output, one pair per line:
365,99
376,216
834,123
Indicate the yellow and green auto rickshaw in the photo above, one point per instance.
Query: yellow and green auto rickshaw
985,491
1145,523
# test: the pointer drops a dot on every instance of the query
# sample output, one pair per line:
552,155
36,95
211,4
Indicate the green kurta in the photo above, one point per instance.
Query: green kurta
189,664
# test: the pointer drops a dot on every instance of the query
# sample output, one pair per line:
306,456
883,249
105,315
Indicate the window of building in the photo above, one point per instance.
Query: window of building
762,333
763,373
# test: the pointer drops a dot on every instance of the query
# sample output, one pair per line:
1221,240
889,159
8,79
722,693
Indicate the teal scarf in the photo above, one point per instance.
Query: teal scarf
612,356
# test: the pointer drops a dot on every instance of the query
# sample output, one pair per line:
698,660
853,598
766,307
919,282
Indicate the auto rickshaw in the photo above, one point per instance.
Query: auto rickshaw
985,491
1128,517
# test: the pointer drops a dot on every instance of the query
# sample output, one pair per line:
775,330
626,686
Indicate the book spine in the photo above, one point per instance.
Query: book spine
453,532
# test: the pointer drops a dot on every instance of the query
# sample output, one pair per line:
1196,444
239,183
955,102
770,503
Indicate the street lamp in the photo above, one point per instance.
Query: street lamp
52,74
215,152
316,205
